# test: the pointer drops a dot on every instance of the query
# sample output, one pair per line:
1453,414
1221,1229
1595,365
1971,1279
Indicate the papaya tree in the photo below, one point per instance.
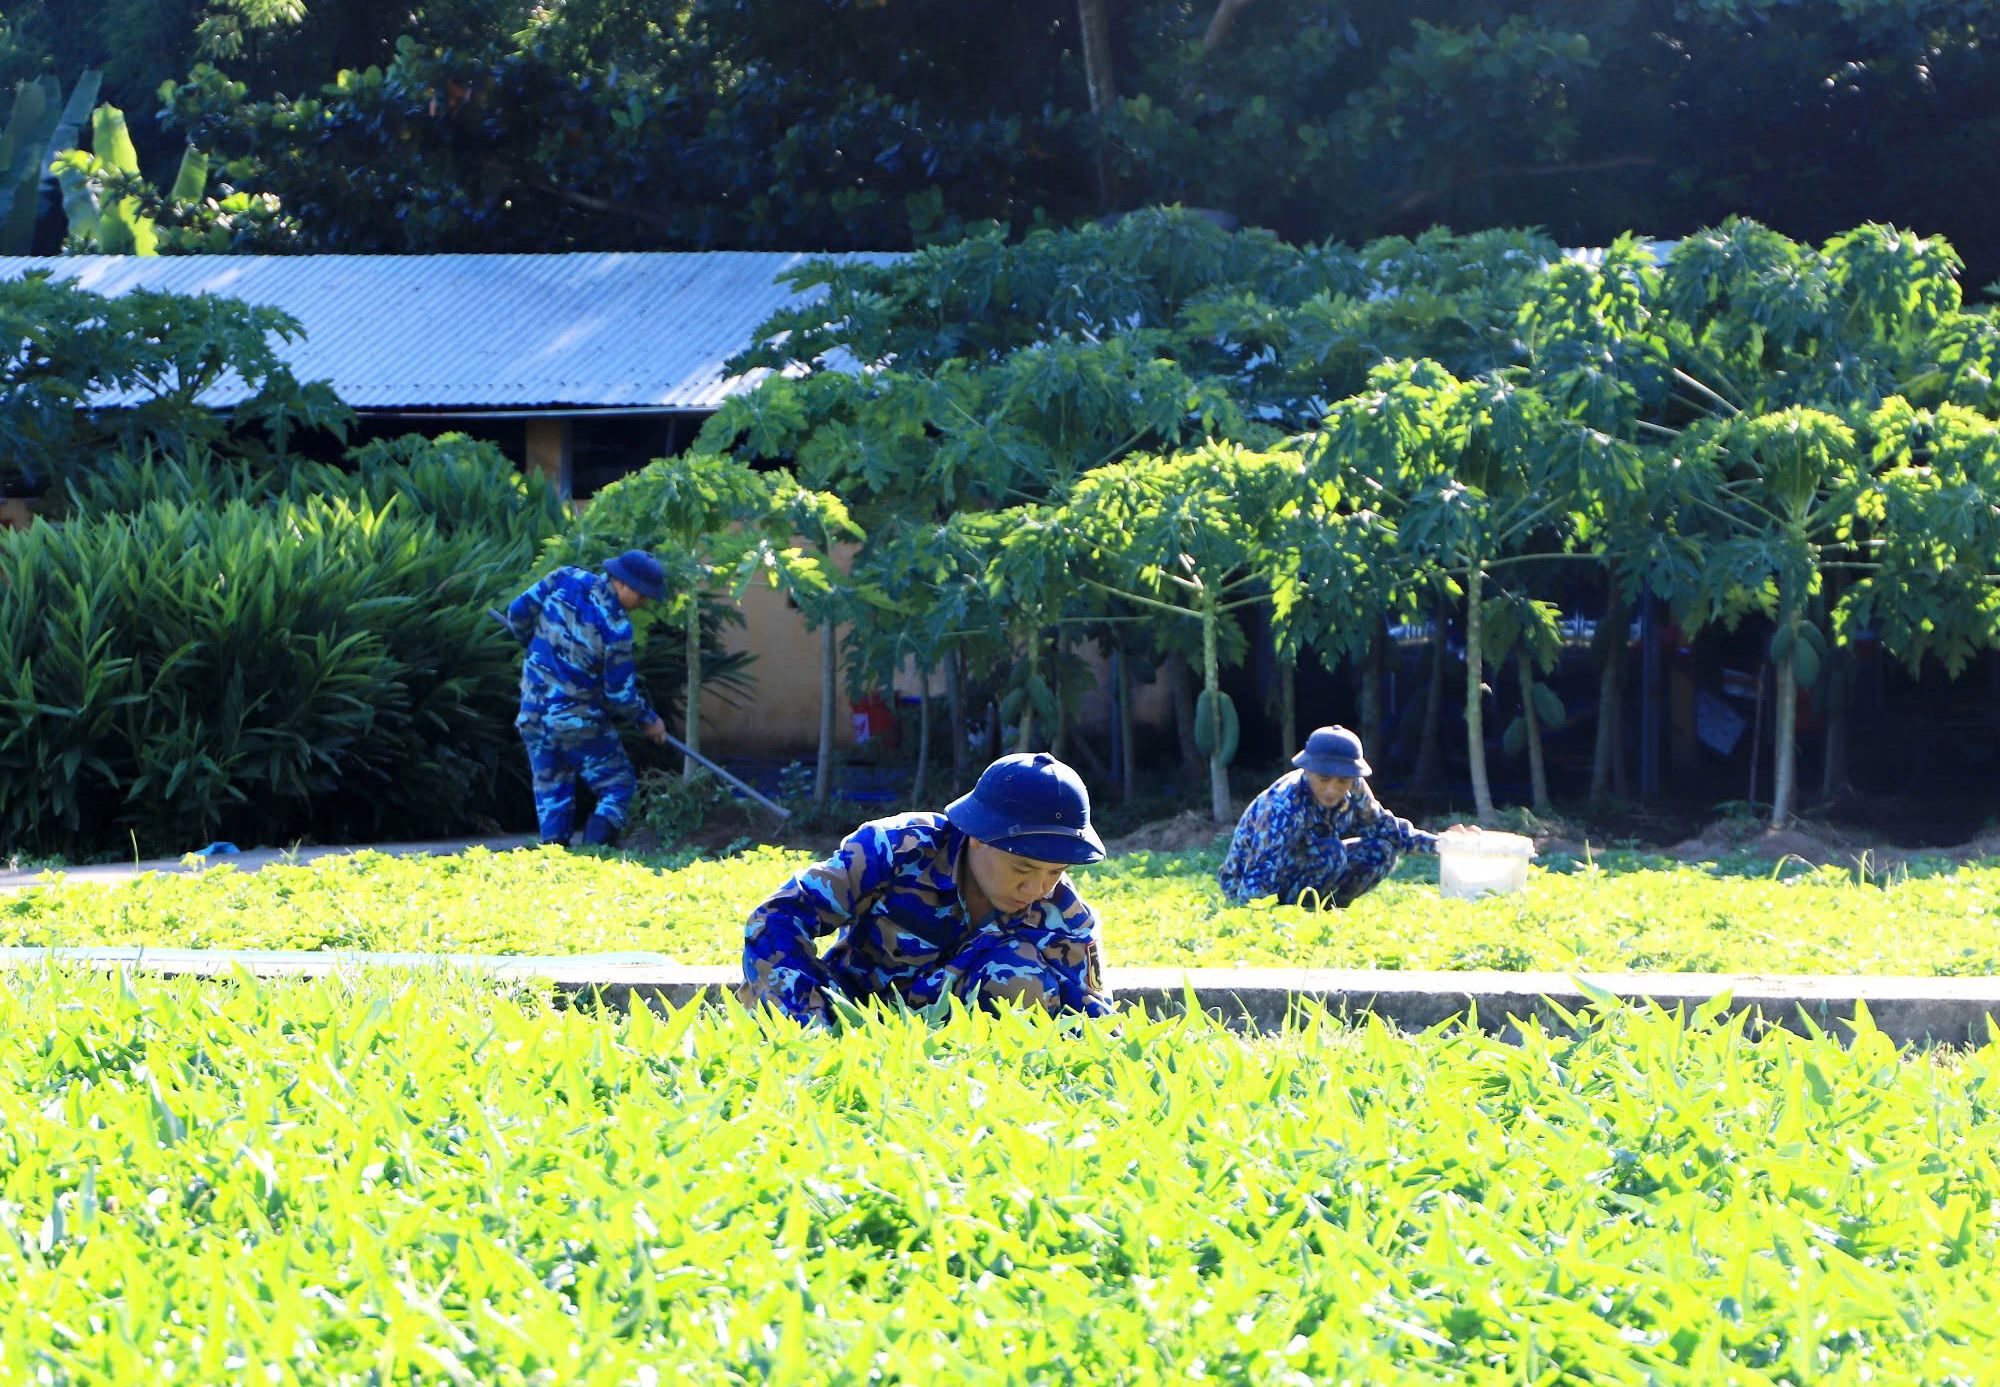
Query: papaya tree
983,436
1926,573
1334,588
1193,538
1783,357
978,300
1468,472
825,600
1901,507
1029,558
1314,337
933,604
1597,356
1527,632
994,373
162,351
1776,491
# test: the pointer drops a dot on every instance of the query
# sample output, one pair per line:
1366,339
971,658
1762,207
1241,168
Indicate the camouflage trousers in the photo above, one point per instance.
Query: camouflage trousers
1357,869
558,758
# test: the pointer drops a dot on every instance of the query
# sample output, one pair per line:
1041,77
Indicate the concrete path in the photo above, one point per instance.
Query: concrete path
1909,1010
250,861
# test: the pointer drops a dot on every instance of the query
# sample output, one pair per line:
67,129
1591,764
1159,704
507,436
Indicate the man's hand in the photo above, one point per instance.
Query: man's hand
656,731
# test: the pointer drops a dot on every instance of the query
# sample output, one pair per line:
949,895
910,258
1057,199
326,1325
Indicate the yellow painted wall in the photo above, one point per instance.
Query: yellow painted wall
780,716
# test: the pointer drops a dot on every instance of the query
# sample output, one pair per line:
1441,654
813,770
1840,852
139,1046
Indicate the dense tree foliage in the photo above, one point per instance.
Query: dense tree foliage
158,354
1155,437
494,124
1162,421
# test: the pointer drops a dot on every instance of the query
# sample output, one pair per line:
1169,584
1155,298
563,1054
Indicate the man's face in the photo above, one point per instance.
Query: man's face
628,596
1010,882
1329,790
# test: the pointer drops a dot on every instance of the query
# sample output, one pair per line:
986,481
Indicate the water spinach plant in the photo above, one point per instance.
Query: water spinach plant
1620,912
427,1180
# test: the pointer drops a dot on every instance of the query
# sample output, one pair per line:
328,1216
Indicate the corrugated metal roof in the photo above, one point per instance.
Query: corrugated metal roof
646,329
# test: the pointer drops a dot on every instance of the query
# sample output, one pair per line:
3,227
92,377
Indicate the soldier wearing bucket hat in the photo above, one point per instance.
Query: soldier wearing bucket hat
975,901
1318,834
577,673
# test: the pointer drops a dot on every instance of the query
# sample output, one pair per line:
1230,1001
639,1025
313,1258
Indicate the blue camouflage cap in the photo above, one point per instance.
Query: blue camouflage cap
1031,805
1333,751
641,572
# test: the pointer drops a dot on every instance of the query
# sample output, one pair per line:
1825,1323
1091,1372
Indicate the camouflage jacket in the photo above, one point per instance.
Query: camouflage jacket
579,662
890,893
1285,835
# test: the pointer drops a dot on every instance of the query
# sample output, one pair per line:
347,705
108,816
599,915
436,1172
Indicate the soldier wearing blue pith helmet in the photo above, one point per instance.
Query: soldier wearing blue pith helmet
578,672
975,902
1318,834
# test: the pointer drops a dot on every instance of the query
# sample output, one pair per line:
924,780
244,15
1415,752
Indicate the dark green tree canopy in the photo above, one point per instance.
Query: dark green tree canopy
831,124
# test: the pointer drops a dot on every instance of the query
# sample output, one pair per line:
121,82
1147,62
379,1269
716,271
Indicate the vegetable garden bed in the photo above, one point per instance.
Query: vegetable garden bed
1621,913
443,1181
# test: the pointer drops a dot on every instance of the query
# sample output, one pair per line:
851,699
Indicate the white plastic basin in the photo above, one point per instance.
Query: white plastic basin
1486,863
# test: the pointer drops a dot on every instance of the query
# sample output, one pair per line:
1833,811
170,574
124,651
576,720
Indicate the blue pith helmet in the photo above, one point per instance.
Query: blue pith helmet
1032,806
1333,751
641,572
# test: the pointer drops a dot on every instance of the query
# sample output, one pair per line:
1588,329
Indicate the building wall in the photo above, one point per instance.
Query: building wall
780,716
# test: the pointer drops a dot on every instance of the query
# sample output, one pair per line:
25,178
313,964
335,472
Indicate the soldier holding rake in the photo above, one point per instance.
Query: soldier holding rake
578,671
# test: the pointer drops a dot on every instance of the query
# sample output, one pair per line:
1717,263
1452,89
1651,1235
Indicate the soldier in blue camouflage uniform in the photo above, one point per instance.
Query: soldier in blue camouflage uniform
1318,832
974,902
577,672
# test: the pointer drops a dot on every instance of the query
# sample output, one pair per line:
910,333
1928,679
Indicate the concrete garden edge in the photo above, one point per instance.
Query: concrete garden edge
1920,1011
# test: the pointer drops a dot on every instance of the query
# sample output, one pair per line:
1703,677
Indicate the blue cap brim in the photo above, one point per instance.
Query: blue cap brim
1072,847
1060,848
1326,765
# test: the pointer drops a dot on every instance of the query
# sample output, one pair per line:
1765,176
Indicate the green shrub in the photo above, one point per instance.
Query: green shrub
459,484
188,671
126,482
672,806
455,481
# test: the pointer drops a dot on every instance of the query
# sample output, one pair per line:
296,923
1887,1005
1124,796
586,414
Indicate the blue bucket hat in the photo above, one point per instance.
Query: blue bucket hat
1333,751
1033,806
641,572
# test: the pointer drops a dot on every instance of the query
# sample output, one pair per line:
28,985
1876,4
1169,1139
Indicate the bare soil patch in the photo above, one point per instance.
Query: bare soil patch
1184,832
1822,845
731,828
1190,830
1816,844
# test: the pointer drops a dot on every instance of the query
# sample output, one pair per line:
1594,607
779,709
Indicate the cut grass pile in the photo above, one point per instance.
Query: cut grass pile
1617,914
426,1180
